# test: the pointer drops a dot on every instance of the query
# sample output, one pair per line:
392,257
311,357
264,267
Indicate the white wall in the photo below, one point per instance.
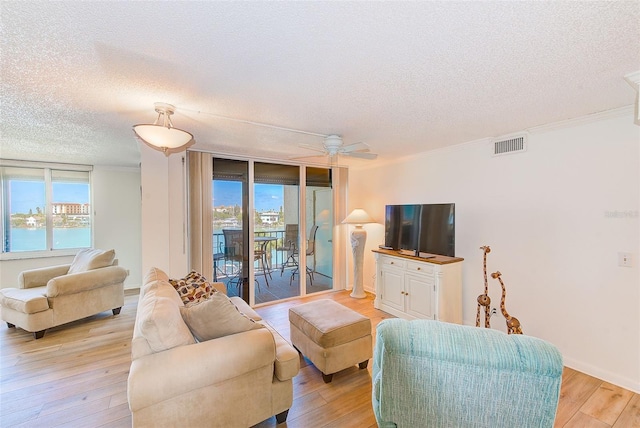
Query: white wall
546,214
164,231
117,219
116,199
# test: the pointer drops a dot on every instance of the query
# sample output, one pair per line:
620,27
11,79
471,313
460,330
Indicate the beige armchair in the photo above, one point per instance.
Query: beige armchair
51,296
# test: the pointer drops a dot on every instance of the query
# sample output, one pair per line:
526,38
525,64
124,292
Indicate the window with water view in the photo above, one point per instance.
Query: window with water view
45,209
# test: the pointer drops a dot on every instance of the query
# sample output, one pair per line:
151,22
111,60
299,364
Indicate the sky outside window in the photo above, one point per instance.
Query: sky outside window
268,197
28,195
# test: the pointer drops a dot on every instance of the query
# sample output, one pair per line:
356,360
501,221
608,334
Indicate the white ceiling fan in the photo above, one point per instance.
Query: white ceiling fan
334,146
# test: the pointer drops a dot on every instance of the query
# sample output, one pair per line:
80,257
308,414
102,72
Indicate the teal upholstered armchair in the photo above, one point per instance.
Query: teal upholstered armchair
434,374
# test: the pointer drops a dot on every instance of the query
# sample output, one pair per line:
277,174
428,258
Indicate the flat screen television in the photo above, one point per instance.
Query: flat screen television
427,228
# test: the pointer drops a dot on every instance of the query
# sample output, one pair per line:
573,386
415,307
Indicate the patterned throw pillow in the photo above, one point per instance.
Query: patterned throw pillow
193,288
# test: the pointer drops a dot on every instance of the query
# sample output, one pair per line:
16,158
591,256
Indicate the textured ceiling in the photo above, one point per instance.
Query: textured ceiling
402,77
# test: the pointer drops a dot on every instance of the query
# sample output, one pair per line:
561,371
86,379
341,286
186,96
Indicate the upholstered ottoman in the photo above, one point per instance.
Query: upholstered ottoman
332,336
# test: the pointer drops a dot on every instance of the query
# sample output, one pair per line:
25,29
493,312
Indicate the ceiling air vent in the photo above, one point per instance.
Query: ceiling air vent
509,145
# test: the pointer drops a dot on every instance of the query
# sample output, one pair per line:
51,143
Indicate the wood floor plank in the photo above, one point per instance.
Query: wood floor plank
359,416
97,368
71,415
580,420
125,422
118,414
574,392
76,376
51,391
607,403
630,416
119,398
332,411
85,397
9,418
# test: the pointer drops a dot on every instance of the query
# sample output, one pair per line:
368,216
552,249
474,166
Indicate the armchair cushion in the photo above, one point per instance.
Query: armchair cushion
91,258
29,301
216,317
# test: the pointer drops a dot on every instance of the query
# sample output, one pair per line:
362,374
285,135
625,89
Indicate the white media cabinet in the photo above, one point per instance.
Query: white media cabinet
412,287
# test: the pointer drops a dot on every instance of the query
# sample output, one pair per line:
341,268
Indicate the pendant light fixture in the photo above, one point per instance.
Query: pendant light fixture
162,135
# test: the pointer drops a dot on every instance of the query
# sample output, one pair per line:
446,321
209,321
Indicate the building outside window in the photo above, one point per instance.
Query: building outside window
45,208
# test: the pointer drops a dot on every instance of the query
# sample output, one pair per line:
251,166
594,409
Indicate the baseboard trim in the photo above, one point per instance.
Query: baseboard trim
613,378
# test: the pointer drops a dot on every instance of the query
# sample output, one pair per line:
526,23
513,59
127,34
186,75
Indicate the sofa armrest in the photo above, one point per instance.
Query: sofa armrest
84,281
39,277
161,376
287,363
221,287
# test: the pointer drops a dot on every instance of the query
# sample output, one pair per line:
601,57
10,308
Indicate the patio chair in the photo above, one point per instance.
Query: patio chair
289,246
233,252
311,250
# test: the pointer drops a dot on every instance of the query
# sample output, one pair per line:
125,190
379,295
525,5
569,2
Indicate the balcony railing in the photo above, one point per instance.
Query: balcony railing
275,258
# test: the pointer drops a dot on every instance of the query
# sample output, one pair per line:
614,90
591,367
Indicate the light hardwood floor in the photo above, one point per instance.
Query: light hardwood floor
76,376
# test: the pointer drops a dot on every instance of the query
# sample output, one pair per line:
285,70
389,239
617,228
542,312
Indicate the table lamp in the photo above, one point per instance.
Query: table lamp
358,217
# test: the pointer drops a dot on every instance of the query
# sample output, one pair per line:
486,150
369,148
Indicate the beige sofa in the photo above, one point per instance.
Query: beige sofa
51,296
232,381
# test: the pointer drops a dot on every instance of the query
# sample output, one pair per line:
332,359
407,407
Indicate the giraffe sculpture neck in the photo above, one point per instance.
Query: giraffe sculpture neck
513,324
484,299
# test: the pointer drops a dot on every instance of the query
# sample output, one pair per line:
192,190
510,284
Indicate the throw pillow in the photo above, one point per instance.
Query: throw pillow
160,323
216,317
193,288
90,258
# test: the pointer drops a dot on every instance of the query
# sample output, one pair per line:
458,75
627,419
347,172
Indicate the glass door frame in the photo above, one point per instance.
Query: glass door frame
249,225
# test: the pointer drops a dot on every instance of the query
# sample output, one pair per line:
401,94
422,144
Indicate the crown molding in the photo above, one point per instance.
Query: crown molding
583,120
633,79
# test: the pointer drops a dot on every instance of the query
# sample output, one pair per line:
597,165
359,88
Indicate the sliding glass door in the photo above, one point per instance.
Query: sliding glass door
276,203
267,245
319,230
231,253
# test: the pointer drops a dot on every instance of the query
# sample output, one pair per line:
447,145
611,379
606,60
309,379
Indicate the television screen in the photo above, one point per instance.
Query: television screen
437,229
402,222
428,228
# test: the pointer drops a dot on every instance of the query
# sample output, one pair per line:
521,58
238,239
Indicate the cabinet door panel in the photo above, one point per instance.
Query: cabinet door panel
392,288
420,292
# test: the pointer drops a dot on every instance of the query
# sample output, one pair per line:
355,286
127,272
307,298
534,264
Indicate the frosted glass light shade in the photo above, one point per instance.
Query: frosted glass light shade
161,135
358,216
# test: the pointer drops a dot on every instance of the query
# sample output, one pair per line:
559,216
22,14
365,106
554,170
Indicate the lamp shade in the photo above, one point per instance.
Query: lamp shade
358,216
161,135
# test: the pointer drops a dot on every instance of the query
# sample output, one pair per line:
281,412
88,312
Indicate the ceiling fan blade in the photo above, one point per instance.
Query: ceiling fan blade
360,147
361,155
310,147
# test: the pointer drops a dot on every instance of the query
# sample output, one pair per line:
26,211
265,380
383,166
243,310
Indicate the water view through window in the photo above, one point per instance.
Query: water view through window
30,214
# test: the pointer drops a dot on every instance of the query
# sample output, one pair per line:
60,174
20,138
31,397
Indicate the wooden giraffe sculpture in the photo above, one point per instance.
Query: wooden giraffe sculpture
484,299
513,325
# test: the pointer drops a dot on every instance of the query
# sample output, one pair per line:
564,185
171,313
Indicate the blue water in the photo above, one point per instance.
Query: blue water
36,239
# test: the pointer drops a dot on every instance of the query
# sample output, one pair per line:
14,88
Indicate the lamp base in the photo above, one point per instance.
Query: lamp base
358,294
358,239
